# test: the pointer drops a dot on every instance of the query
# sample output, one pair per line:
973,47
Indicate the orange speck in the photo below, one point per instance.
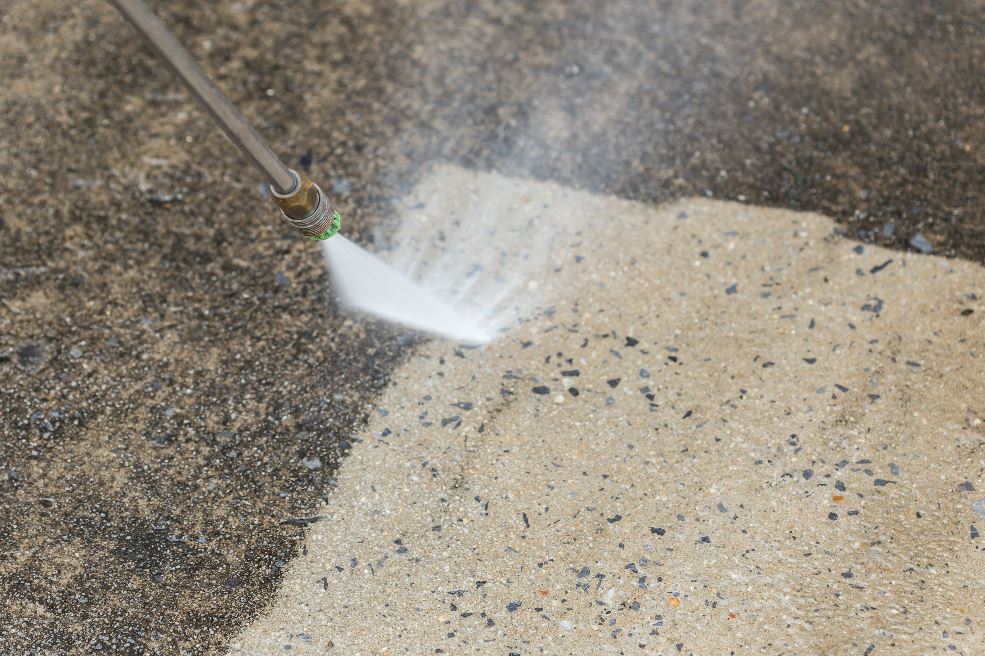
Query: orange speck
674,601
837,498
543,593
732,616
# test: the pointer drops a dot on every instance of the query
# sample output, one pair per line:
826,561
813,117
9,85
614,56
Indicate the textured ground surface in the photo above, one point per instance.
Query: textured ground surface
723,429
175,385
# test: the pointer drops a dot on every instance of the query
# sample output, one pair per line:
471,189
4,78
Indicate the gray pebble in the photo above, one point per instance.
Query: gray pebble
312,463
341,185
919,242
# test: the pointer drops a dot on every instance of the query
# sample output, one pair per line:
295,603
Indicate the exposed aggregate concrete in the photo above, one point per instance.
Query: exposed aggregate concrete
723,429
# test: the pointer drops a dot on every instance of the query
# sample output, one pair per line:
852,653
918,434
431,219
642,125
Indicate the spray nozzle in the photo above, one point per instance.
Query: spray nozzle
307,208
304,204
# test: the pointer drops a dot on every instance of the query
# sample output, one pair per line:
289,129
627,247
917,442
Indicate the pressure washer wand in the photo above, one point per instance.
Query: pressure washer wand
301,201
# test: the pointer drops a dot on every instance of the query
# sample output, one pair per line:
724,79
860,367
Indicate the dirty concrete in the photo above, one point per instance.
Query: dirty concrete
723,429
172,368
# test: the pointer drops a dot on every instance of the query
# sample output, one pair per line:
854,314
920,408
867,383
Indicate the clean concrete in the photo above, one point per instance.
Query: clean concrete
710,428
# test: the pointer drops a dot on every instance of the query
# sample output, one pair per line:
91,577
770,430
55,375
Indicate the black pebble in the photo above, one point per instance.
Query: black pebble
31,357
305,161
879,267
541,389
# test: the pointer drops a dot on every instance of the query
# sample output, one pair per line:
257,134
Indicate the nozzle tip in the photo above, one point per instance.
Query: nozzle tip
308,209
332,229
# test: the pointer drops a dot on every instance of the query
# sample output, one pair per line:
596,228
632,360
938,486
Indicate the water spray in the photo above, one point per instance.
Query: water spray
363,281
301,201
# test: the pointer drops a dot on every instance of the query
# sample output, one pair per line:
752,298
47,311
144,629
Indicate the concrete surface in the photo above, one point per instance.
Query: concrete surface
177,386
724,429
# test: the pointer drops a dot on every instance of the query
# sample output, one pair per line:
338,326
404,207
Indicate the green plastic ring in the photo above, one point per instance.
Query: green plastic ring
332,229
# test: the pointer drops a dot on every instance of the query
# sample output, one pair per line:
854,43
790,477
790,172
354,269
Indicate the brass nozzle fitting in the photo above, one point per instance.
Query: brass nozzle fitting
308,209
